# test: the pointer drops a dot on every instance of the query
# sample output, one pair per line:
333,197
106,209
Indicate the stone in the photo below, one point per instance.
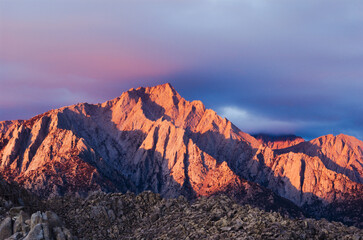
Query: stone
15,210
53,219
36,233
226,228
20,225
15,236
238,224
67,234
154,217
59,234
35,219
6,228
46,231
111,215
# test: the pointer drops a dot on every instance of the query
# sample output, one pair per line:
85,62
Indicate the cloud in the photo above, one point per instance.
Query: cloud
291,65
251,123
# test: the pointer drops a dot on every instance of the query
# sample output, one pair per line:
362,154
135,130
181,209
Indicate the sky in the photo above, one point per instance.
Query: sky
277,67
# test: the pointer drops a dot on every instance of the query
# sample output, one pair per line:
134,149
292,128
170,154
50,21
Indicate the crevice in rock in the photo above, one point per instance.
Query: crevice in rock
302,178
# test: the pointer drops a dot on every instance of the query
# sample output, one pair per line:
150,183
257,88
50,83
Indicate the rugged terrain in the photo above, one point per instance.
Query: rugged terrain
153,139
149,216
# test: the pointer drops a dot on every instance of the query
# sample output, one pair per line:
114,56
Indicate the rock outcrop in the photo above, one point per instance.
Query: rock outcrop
153,139
40,226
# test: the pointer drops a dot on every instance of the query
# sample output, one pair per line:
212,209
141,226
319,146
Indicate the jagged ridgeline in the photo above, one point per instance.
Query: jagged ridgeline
153,139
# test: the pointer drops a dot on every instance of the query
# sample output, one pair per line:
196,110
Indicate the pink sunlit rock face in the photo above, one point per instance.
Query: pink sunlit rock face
153,139
144,140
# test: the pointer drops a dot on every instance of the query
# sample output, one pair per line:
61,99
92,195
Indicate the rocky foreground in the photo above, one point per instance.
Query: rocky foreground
148,216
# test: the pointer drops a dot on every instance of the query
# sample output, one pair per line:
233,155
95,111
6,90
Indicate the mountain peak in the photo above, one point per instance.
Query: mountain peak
163,94
348,137
165,86
162,89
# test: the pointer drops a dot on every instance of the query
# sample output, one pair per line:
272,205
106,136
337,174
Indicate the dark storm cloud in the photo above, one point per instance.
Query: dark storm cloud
273,66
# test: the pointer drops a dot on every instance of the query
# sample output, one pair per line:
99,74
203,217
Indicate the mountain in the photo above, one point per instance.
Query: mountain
153,139
279,141
146,139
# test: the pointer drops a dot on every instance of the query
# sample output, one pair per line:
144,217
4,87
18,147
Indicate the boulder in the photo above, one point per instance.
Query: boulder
37,218
36,233
15,236
6,228
53,219
20,225
15,211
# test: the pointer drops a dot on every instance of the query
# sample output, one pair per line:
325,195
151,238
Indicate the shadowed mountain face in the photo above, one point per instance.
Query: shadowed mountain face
153,139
